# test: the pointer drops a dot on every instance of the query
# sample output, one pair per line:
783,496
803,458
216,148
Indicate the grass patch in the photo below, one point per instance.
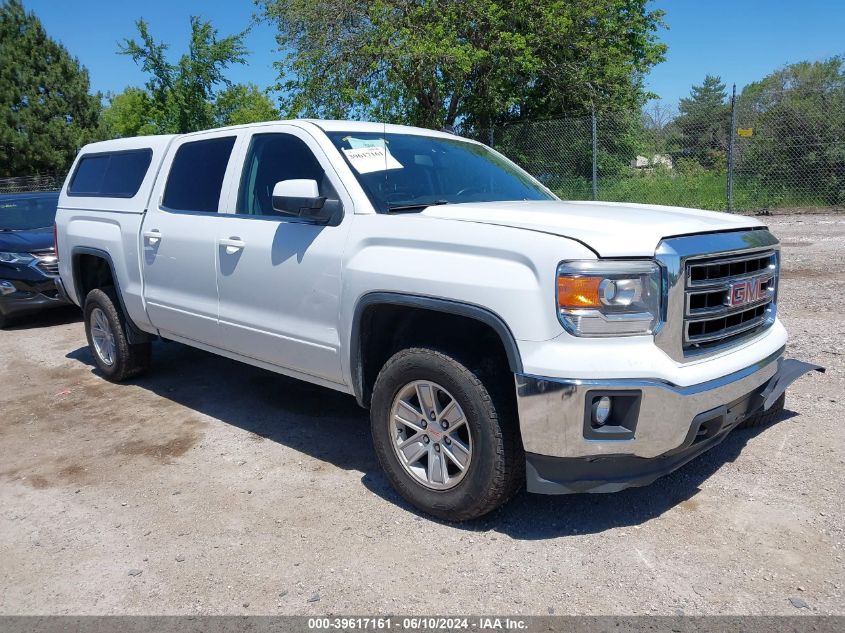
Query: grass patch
701,191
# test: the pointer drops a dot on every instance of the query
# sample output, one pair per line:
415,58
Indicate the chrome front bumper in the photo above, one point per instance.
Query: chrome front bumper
552,411
669,425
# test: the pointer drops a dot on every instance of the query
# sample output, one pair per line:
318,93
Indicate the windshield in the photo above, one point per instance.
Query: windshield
407,172
27,212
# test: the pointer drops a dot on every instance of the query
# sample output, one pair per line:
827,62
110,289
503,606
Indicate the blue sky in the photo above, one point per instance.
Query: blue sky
741,40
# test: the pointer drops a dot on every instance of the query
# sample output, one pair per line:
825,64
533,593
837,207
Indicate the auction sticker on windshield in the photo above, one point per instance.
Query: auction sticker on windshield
369,159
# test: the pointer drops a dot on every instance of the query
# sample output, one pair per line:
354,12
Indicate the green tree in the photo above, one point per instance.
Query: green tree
129,113
181,95
243,103
704,123
659,130
474,62
46,111
798,119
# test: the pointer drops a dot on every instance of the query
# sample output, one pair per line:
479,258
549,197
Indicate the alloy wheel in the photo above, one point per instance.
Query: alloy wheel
102,336
430,434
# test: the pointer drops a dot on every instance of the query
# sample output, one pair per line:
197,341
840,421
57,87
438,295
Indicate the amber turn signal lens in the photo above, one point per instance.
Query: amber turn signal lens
578,292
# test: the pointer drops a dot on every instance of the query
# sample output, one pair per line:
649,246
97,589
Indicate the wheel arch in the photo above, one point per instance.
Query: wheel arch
82,286
362,386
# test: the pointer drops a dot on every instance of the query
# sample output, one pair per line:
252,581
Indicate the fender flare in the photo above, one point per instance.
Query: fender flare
133,332
436,304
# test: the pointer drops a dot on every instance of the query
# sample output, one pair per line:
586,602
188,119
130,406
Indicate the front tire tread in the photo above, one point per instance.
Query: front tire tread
508,467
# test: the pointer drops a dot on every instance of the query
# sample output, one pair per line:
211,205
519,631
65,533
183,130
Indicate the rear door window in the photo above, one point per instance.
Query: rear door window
196,175
111,174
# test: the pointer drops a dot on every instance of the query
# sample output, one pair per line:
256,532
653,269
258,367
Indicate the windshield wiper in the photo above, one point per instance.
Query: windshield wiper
398,208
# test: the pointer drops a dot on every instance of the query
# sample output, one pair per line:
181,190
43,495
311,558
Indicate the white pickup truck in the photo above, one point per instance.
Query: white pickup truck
500,337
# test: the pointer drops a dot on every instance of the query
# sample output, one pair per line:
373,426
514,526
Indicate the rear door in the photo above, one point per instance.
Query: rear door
279,278
178,238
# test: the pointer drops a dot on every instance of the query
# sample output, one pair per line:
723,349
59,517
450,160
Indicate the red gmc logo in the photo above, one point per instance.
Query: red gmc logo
748,291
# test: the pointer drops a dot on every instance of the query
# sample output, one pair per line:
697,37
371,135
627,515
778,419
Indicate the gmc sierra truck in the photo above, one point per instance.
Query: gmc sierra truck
499,336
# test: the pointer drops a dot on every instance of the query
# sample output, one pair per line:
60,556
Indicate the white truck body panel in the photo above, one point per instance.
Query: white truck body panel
279,294
611,229
110,225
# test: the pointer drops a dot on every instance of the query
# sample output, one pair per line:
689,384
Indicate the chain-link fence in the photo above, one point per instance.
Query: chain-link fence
766,150
789,149
20,184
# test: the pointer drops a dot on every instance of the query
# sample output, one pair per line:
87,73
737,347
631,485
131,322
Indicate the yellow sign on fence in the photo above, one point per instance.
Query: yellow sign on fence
745,131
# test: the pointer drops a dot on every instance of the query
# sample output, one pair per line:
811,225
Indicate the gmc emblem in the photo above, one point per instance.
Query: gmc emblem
748,291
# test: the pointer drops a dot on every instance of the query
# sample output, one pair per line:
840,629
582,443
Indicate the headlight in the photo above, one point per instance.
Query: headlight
609,297
16,258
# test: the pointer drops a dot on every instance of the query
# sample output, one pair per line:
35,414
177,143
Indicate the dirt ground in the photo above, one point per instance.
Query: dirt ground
216,488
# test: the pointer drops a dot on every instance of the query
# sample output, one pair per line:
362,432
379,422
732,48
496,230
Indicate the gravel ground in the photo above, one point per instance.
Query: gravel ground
216,488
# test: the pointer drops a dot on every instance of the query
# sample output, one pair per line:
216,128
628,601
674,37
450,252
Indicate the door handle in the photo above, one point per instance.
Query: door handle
153,237
232,244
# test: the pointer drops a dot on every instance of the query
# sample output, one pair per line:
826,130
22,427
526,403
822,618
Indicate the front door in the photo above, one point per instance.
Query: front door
279,278
178,240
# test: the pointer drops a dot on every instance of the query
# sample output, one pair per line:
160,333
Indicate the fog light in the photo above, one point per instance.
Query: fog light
601,410
7,288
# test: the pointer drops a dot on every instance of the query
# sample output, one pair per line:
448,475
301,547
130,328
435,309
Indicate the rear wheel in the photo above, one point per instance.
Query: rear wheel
448,441
105,328
764,418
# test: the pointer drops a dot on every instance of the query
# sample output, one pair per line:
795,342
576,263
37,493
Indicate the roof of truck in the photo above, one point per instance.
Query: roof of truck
155,142
161,141
373,127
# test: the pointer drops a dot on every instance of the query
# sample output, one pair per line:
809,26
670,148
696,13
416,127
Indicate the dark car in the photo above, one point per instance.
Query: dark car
28,262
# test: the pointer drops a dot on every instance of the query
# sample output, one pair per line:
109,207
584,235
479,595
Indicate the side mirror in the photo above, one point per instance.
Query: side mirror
302,199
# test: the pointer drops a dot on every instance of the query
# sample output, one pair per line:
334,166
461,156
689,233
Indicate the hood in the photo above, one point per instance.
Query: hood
26,241
611,229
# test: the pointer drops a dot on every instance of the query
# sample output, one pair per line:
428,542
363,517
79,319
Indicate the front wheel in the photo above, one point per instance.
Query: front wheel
448,441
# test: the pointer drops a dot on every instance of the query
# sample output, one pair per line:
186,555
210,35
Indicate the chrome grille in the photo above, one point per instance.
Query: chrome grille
707,272
47,262
728,298
700,270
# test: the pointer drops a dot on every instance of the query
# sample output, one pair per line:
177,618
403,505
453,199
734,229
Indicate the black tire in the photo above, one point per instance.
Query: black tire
764,418
129,360
497,468
4,321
